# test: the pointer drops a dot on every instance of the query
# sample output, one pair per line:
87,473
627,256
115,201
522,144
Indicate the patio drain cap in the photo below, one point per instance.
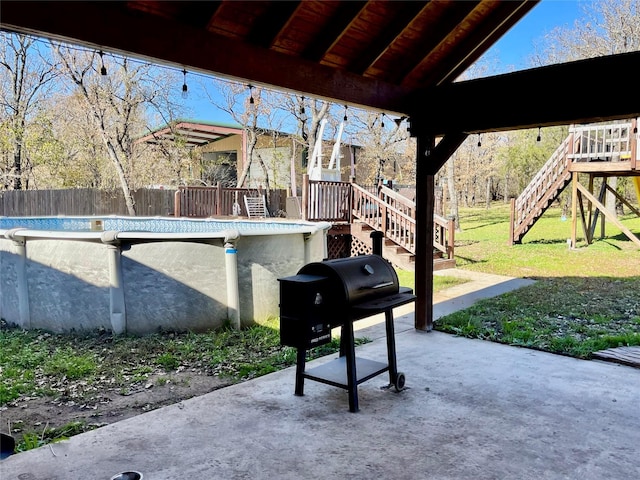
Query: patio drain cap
128,476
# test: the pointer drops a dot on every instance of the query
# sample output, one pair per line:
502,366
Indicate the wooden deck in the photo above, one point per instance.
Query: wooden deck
624,355
595,150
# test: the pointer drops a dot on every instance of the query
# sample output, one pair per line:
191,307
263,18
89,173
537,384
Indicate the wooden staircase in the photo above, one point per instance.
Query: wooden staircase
538,196
396,254
393,215
594,149
384,211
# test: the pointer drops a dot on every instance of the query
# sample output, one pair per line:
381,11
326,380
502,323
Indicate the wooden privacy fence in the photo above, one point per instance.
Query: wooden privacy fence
84,201
185,202
219,201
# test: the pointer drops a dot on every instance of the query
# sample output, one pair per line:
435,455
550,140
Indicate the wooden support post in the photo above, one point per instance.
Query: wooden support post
635,152
452,239
425,205
574,208
589,205
609,214
603,198
512,222
429,159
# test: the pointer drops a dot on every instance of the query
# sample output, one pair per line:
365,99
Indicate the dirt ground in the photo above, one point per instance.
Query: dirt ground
35,415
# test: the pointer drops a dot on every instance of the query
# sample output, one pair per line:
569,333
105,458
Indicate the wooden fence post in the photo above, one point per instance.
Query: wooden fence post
218,206
305,196
176,203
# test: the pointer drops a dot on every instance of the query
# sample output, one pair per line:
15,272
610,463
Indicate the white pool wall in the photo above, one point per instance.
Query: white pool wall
143,282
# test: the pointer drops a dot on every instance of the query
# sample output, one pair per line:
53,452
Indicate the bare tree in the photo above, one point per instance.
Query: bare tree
308,114
384,148
170,159
115,100
247,107
606,27
27,78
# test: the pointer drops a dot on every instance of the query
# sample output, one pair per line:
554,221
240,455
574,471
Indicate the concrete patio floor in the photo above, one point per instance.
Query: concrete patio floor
471,409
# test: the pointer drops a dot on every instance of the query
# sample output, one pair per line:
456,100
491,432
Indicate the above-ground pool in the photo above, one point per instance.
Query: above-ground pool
141,275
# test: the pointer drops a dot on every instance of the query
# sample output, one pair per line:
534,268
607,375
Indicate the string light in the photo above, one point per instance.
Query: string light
103,69
104,73
303,114
251,100
382,120
539,137
185,89
479,141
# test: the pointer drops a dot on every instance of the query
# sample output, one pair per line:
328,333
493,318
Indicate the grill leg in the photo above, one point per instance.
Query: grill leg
300,364
350,353
391,346
344,341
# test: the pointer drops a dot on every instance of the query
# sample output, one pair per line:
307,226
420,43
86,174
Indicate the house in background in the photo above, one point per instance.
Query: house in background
222,150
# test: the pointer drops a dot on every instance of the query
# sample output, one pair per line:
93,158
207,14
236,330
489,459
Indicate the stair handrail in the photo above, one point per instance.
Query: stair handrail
397,200
367,207
396,224
555,168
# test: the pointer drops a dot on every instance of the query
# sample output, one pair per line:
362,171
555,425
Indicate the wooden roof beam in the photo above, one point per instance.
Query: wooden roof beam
585,91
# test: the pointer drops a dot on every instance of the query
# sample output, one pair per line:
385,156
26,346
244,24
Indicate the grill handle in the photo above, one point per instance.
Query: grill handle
379,285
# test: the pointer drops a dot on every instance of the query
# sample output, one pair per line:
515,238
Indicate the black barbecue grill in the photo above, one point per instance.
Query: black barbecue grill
335,293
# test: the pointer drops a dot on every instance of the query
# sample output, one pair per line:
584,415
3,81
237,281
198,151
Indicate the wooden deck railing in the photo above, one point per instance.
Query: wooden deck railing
608,142
326,201
205,202
387,212
388,218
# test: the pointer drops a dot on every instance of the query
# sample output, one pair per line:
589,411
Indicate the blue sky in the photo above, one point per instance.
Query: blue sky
513,50
518,44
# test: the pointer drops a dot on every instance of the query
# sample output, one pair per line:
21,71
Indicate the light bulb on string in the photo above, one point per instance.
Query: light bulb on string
539,137
479,141
185,89
345,114
382,120
103,69
251,99
303,114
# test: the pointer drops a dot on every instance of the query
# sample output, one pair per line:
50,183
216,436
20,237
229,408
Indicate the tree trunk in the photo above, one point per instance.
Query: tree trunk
17,166
253,140
488,194
453,195
124,184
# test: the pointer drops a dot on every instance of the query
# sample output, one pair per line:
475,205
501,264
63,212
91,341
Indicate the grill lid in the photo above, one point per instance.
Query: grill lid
355,280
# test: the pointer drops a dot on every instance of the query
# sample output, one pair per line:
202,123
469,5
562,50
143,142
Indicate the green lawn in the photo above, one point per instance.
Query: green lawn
585,299
482,245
